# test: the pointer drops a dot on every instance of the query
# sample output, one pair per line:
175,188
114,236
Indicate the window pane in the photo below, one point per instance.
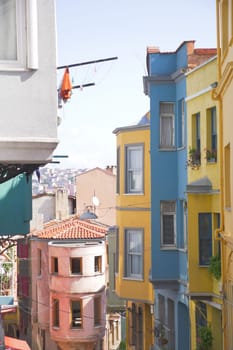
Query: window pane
76,265
134,253
168,229
8,30
168,212
166,131
134,169
97,311
76,314
205,238
55,308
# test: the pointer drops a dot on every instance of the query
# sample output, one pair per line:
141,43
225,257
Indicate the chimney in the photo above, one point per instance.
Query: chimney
61,204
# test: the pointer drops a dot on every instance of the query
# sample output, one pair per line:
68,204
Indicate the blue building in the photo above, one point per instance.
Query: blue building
166,87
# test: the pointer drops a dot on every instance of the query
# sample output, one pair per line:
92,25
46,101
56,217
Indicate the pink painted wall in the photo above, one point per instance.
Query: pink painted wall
66,287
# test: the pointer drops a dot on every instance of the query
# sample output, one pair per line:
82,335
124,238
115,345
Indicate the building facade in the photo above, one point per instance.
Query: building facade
166,87
223,93
133,232
203,204
65,284
95,192
28,125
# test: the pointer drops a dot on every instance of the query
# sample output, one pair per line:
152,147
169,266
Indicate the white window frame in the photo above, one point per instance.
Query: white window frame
130,171
26,38
130,254
183,123
166,208
170,115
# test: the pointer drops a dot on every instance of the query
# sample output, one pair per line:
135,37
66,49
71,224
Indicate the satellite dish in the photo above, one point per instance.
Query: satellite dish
95,201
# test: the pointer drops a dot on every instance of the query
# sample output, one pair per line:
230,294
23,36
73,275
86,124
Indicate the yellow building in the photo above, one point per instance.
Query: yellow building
134,232
224,94
203,203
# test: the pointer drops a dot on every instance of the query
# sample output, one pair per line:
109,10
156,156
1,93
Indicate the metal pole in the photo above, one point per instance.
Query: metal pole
88,62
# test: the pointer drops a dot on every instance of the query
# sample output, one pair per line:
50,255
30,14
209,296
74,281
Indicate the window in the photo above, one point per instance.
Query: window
76,314
118,171
76,265
140,335
229,311
134,324
196,138
183,225
168,224
167,125
181,125
134,253
55,311
12,34
98,263
227,177
54,264
39,261
134,169
97,311
18,34
205,238
171,322
211,134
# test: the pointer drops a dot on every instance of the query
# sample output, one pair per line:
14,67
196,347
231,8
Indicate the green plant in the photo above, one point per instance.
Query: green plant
122,345
210,154
194,158
205,338
215,267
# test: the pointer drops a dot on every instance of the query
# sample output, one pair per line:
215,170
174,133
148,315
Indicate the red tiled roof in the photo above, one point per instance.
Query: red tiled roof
71,228
16,344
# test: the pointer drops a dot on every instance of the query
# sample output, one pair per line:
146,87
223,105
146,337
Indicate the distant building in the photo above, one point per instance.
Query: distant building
64,285
95,192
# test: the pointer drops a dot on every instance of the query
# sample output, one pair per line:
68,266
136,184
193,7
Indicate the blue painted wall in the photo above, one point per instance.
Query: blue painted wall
168,168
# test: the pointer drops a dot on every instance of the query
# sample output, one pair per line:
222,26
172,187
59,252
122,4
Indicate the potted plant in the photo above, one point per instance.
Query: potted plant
215,267
205,338
211,155
194,158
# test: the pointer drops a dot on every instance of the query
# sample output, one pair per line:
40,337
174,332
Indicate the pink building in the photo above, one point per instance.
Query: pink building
68,289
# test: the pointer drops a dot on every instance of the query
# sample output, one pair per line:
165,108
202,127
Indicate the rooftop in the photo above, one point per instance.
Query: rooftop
72,228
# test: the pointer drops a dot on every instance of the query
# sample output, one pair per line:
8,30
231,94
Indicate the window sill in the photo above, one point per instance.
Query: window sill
172,148
134,193
138,279
168,248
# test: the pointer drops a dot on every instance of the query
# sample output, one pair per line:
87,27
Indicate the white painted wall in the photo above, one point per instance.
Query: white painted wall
28,122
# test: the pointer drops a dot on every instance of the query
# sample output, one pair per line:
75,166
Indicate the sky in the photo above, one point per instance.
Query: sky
89,30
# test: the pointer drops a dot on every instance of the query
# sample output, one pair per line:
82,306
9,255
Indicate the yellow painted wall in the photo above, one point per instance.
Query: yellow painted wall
200,281
133,210
224,94
200,101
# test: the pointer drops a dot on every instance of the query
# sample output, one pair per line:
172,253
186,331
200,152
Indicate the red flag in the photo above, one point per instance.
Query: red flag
66,86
